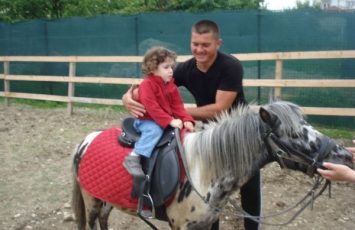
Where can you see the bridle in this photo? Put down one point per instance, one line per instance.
(280, 151)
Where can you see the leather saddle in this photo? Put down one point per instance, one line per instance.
(162, 169)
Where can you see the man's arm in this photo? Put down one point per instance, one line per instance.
(132, 106)
(224, 100)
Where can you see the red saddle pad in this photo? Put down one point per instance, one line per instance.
(101, 172)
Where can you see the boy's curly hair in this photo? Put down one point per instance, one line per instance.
(154, 56)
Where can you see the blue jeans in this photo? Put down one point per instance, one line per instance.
(151, 133)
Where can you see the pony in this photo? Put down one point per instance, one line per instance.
(220, 159)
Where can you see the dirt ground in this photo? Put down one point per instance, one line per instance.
(35, 182)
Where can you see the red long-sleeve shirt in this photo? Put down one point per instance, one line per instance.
(162, 101)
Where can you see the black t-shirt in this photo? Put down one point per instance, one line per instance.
(226, 74)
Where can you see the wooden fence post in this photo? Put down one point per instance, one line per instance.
(278, 76)
(71, 87)
(6, 82)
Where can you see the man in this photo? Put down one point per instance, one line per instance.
(215, 81)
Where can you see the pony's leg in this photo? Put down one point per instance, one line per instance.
(78, 205)
(93, 208)
(104, 214)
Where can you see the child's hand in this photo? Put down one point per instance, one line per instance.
(189, 126)
(176, 123)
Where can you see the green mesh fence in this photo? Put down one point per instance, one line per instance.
(246, 31)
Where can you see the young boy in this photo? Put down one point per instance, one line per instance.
(163, 104)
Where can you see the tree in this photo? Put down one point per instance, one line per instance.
(17, 10)
(307, 4)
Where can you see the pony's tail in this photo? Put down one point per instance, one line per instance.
(78, 205)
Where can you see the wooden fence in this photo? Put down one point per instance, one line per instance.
(278, 83)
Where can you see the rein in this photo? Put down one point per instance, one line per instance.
(184, 162)
(311, 195)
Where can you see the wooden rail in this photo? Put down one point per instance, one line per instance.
(278, 83)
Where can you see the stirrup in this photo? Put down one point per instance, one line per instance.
(148, 214)
(145, 194)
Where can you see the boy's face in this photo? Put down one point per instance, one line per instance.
(165, 70)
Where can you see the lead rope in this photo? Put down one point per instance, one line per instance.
(310, 194)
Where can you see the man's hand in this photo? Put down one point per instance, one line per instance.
(135, 108)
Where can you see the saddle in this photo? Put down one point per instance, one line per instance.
(162, 170)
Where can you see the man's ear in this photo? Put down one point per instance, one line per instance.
(269, 117)
(219, 43)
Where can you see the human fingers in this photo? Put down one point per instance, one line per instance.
(331, 172)
(337, 172)
(180, 124)
(132, 106)
(176, 123)
(137, 109)
(332, 166)
(189, 126)
(327, 165)
(324, 173)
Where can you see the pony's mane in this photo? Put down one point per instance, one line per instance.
(233, 141)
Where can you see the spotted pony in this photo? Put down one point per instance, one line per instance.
(223, 157)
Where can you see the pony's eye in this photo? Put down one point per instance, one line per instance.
(313, 146)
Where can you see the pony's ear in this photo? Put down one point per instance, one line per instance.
(269, 117)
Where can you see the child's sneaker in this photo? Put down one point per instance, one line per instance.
(133, 166)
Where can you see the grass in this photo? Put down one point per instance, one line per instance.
(39, 103)
(336, 133)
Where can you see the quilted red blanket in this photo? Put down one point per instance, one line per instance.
(101, 172)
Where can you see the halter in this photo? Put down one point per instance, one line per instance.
(281, 151)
